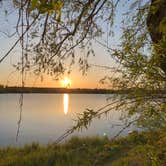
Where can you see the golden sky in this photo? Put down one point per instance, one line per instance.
(9, 77)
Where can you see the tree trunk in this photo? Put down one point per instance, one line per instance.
(156, 22)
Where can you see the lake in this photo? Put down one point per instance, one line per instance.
(47, 116)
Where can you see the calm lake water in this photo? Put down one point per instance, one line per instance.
(47, 116)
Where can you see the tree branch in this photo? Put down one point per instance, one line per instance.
(14, 45)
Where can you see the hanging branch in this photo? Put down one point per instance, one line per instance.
(14, 45)
(22, 70)
(86, 118)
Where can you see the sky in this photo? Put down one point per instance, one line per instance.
(9, 77)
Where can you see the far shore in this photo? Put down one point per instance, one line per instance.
(54, 90)
(47, 90)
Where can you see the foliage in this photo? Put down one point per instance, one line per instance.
(144, 73)
(146, 148)
(53, 38)
(55, 28)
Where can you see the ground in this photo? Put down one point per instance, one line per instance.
(137, 149)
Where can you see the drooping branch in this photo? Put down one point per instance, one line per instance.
(84, 119)
(19, 39)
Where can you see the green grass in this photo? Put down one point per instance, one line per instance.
(137, 149)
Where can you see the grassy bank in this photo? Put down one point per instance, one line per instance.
(143, 149)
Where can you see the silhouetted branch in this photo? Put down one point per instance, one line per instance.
(14, 45)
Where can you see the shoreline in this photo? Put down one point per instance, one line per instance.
(54, 90)
(43, 90)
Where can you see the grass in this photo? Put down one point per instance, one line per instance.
(137, 149)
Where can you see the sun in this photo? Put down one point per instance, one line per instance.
(66, 82)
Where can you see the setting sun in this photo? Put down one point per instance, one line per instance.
(66, 82)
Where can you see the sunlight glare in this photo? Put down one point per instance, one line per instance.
(66, 82)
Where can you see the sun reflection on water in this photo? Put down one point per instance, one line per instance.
(65, 103)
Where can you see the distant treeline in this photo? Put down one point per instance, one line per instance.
(53, 90)
(73, 91)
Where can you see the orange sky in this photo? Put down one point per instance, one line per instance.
(90, 80)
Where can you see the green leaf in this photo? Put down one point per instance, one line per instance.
(34, 4)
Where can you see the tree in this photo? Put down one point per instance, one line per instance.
(54, 28)
(157, 30)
